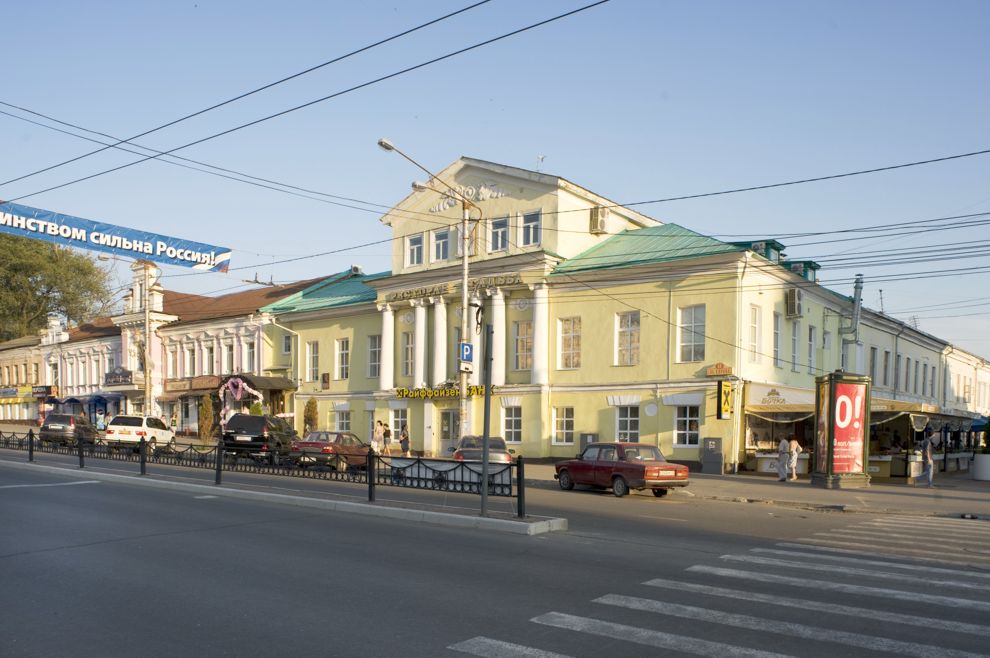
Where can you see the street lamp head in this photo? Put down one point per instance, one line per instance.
(420, 187)
(386, 145)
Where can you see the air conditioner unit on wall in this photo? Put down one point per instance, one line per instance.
(598, 216)
(792, 300)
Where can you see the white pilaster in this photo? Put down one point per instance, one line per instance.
(541, 335)
(439, 341)
(386, 372)
(419, 343)
(498, 337)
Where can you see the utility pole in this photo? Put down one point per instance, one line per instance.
(147, 338)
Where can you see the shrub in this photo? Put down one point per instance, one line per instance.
(206, 421)
(256, 409)
(310, 415)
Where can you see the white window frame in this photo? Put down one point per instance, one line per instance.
(688, 335)
(342, 368)
(441, 245)
(312, 361)
(414, 249)
(627, 423)
(795, 345)
(684, 436)
(228, 355)
(249, 358)
(777, 330)
(907, 374)
(522, 345)
(812, 349)
(569, 343)
(173, 367)
(190, 362)
(374, 355)
(874, 363)
(627, 338)
(287, 344)
(512, 424)
(498, 239)
(886, 367)
(398, 418)
(563, 426)
(209, 360)
(342, 420)
(755, 333)
(408, 353)
(532, 228)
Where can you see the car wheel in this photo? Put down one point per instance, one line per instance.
(660, 493)
(619, 486)
(565, 481)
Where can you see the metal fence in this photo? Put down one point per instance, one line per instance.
(504, 480)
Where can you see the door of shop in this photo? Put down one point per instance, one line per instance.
(450, 430)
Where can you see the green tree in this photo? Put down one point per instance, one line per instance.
(38, 278)
(206, 419)
(256, 409)
(310, 415)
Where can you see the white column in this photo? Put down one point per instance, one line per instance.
(477, 340)
(439, 341)
(498, 337)
(541, 335)
(386, 369)
(419, 343)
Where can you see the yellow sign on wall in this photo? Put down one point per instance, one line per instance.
(724, 400)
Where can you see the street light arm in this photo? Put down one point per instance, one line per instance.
(386, 145)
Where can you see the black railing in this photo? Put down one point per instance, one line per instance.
(504, 480)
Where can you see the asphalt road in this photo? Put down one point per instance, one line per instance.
(93, 568)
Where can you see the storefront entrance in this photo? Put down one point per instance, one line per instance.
(450, 430)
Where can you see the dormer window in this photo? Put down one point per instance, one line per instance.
(773, 255)
(531, 228)
(499, 234)
(414, 249)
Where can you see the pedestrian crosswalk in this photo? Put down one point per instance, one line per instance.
(907, 586)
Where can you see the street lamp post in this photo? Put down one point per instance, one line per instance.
(466, 206)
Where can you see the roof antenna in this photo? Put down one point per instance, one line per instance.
(539, 161)
(881, 300)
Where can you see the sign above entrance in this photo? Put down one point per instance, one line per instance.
(719, 370)
(438, 393)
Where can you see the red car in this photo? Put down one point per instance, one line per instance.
(337, 449)
(621, 467)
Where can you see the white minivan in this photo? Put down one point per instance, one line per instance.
(126, 430)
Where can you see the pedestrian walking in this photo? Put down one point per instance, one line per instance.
(795, 449)
(377, 437)
(783, 458)
(404, 441)
(928, 461)
(387, 441)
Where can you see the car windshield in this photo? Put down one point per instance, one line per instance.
(247, 424)
(58, 419)
(318, 436)
(643, 453)
(128, 421)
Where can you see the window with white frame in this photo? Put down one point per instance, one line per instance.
(499, 234)
(917, 370)
(343, 358)
(248, 365)
(287, 344)
(95, 365)
(563, 425)
(36, 370)
(907, 375)
(531, 228)
(933, 382)
(886, 367)
(513, 424)
(83, 371)
(691, 333)
(686, 426)
(627, 338)
(374, 355)
(172, 366)
(414, 249)
(343, 419)
(208, 362)
(312, 361)
(924, 379)
(627, 423)
(755, 332)
(874, 353)
(228, 355)
(522, 340)
(399, 418)
(777, 329)
(111, 361)
(70, 367)
(190, 362)
(441, 245)
(570, 343)
(795, 344)
(897, 371)
(812, 349)
(407, 353)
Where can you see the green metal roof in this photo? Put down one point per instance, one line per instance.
(340, 290)
(654, 244)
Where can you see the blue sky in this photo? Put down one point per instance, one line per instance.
(634, 100)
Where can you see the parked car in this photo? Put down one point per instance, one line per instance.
(621, 467)
(340, 449)
(469, 449)
(66, 429)
(260, 437)
(126, 430)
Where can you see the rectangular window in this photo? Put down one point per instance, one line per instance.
(627, 423)
(691, 333)
(35, 372)
(208, 362)
(531, 228)
(374, 355)
(248, 365)
(312, 361)
(812, 349)
(795, 341)
(777, 327)
(886, 367)
(287, 344)
(343, 358)
(407, 354)
(95, 365)
(513, 424)
(173, 358)
(755, 330)
(441, 245)
(415, 250)
(111, 361)
(522, 339)
(228, 365)
(570, 343)
(343, 421)
(400, 418)
(924, 380)
(686, 431)
(190, 362)
(897, 371)
(907, 375)
(82, 373)
(917, 366)
(563, 425)
(627, 339)
(499, 240)
(934, 392)
(874, 353)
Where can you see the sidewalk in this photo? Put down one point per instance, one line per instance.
(955, 494)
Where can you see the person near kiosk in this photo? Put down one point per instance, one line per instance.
(783, 459)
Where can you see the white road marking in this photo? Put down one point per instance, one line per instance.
(966, 573)
(960, 531)
(939, 521)
(882, 592)
(872, 548)
(648, 637)
(792, 629)
(868, 553)
(58, 484)
(204, 497)
(489, 648)
(852, 571)
(894, 538)
(833, 608)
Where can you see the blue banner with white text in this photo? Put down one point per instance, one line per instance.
(70, 231)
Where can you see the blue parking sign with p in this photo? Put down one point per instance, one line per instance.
(467, 352)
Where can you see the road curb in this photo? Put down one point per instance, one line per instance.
(536, 527)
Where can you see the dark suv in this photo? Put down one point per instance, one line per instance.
(258, 436)
(66, 429)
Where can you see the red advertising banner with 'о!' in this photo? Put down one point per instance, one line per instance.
(849, 426)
